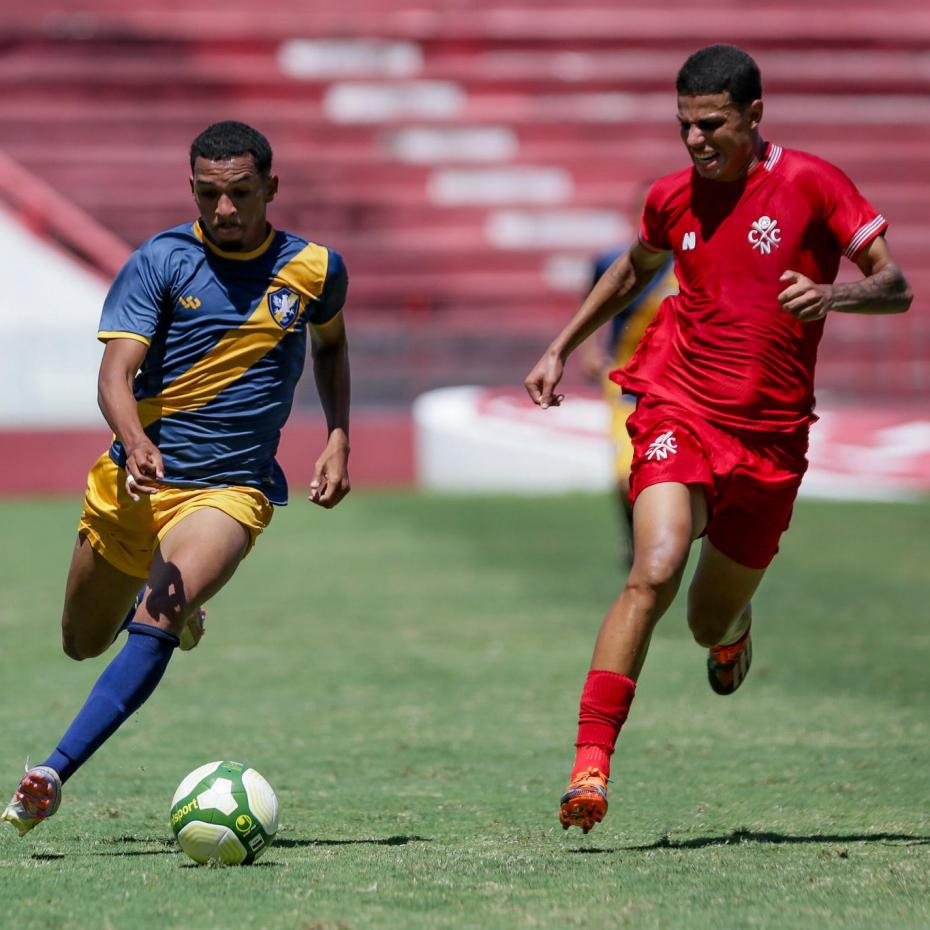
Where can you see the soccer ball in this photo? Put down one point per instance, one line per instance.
(224, 812)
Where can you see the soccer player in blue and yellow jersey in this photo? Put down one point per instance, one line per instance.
(598, 360)
(205, 332)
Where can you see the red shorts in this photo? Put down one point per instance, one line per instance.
(750, 482)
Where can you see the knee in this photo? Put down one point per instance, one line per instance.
(71, 649)
(656, 571)
(80, 649)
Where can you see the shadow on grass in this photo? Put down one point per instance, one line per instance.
(750, 836)
(164, 847)
(168, 848)
(288, 843)
(264, 864)
(47, 857)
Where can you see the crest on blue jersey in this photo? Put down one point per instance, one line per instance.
(284, 305)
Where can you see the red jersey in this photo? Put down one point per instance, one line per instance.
(723, 347)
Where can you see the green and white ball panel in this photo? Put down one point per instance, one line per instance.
(263, 802)
(209, 842)
(224, 812)
(191, 781)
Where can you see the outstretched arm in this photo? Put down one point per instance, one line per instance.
(330, 352)
(618, 287)
(122, 358)
(884, 289)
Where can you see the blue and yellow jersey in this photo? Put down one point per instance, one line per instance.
(626, 330)
(628, 326)
(227, 337)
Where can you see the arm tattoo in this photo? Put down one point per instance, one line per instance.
(886, 291)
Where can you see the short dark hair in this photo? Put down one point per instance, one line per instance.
(225, 140)
(717, 69)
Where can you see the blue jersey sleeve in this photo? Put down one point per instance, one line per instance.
(133, 305)
(333, 296)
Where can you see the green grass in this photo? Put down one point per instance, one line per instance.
(405, 671)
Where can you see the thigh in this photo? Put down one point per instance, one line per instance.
(721, 588)
(194, 559)
(97, 598)
(667, 518)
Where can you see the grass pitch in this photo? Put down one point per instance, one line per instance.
(405, 671)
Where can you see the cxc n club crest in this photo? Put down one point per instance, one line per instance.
(284, 306)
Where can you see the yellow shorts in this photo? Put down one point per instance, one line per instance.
(620, 409)
(127, 532)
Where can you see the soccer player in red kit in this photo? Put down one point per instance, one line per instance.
(723, 379)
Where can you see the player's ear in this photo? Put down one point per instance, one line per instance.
(271, 188)
(755, 113)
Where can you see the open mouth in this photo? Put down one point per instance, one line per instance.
(710, 160)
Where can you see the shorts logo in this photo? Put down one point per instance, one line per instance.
(284, 306)
(765, 235)
(660, 449)
(189, 303)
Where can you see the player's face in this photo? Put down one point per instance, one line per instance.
(720, 136)
(232, 197)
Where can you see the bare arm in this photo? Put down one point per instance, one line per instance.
(121, 360)
(884, 289)
(330, 352)
(617, 288)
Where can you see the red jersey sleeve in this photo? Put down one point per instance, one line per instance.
(653, 231)
(851, 219)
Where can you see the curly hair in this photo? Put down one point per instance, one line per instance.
(716, 69)
(227, 139)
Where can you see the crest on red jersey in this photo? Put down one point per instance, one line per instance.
(765, 235)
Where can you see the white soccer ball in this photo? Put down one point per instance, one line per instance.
(224, 812)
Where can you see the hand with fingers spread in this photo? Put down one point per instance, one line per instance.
(542, 381)
(330, 482)
(804, 299)
(144, 468)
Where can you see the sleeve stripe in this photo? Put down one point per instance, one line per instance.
(105, 336)
(863, 235)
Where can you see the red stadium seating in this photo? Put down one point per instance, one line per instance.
(101, 105)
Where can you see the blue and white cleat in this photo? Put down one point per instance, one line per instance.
(36, 799)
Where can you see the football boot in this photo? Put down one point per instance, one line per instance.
(585, 800)
(36, 799)
(728, 666)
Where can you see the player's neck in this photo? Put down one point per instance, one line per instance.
(758, 150)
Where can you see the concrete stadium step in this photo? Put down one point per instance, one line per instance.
(275, 70)
(771, 23)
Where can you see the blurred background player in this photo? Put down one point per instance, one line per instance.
(723, 379)
(600, 357)
(205, 329)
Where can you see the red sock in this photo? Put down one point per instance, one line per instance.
(605, 704)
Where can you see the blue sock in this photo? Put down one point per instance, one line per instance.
(125, 685)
